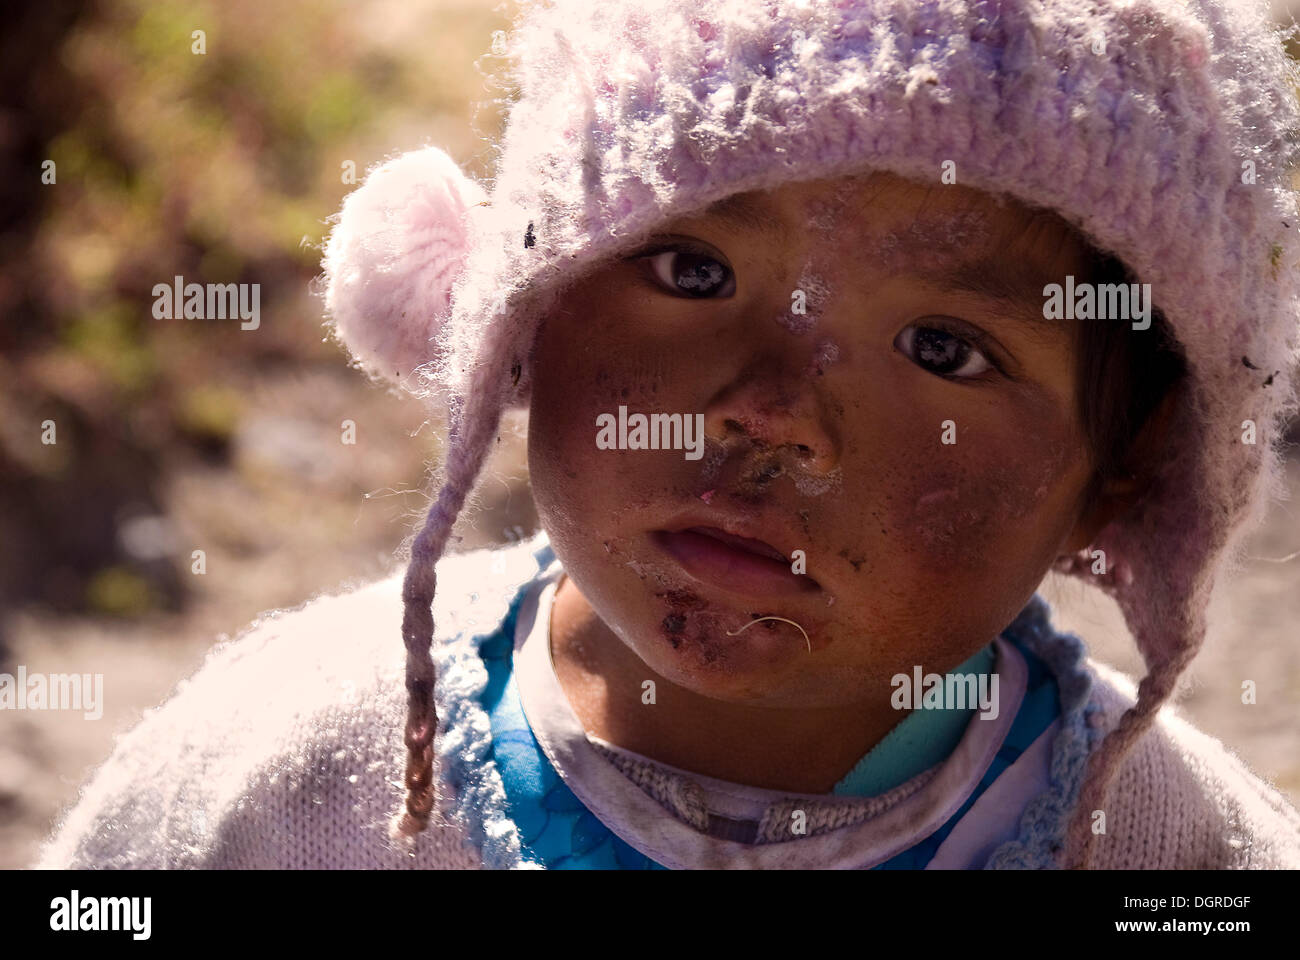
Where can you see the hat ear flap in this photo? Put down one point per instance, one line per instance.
(390, 262)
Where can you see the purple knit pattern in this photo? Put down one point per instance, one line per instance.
(1162, 129)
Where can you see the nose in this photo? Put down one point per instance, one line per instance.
(775, 416)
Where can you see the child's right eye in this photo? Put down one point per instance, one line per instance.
(687, 271)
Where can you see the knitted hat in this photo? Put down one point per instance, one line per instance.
(1161, 129)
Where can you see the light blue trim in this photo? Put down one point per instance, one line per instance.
(464, 743)
(1042, 826)
(922, 739)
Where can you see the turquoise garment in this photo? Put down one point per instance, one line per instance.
(555, 829)
(1041, 706)
(558, 832)
(924, 738)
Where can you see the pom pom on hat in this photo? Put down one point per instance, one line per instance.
(391, 260)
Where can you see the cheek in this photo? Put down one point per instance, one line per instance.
(579, 374)
(996, 500)
(734, 651)
(587, 495)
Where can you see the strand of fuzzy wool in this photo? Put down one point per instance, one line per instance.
(1102, 766)
(467, 452)
(782, 619)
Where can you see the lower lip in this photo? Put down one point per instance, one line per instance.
(713, 562)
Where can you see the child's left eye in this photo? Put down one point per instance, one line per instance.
(685, 272)
(941, 352)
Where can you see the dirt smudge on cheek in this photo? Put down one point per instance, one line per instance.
(959, 513)
(816, 484)
(952, 522)
(825, 355)
(681, 598)
(625, 554)
(680, 604)
(711, 639)
(685, 621)
(855, 562)
(710, 466)
(692, 627)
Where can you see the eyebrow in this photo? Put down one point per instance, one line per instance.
(746, 211)
(1011, 282)
(1012, 279)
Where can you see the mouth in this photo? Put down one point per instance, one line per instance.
(740, 565)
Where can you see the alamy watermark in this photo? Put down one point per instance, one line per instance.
(952, 691)
(56, 691)
(1098, 301)
(655, 431)
(75, 913)
(214, 301)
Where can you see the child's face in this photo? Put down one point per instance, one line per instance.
(825, 434)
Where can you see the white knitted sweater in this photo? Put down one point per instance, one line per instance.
(284, 751)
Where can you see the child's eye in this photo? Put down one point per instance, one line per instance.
(941, 352)
(686, 272)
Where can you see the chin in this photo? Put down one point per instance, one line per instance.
(698, 655)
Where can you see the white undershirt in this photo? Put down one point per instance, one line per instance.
(878, 827)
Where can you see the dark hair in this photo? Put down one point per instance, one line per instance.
(1122, 375)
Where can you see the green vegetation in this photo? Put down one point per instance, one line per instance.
(221, 167)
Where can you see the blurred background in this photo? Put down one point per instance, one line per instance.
(183, 435)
